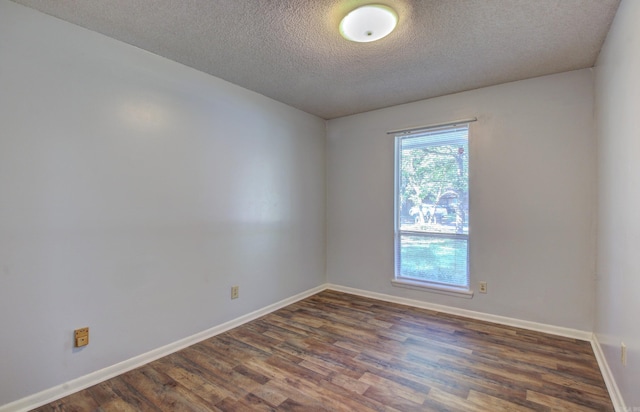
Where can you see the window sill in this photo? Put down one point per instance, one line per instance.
(430, 287)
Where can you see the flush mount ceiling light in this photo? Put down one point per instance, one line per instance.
(368, 23)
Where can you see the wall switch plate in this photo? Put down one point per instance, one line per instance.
(235, 292)
(81, 337)
(623, 354)
(483, 287)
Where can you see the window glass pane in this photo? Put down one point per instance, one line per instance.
(434, 184)
(432, 206)
(433, 259)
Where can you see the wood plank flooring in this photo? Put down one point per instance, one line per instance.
(340, 352)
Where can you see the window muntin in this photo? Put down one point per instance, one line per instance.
(432, 207)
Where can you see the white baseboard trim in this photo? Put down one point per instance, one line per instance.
(612, 387)
(503, 320)
(83, 382)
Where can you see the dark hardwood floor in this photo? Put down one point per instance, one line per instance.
(340, 352)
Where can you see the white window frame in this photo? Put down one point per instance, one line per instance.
(410, 283)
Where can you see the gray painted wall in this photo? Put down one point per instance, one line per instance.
(134, 192)
(532, 198)
(618, 287)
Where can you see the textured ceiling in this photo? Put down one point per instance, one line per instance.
(291, 51)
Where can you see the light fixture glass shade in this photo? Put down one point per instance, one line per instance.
(368, 23)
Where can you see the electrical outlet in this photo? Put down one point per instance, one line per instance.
(235, 292)
(623, 354)
(483, 287)
(81, 337)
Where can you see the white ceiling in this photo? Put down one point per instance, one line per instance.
(291, 50)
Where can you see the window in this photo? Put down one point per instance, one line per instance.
(432, 209)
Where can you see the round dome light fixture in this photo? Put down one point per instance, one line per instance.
(368, 23)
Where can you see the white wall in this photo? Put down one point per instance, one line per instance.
(532, 198)
(618, 287)
(134, 192)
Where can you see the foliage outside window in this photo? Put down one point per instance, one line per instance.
(432, 207)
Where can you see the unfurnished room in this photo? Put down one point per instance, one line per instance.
(319, 205)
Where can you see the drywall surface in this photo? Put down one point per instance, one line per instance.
(618, 276)
(532, 198)
(134, 192)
